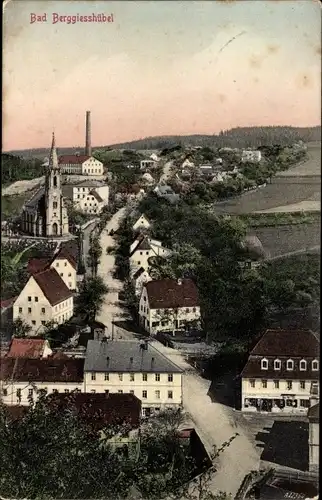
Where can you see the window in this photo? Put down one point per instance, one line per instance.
(29, 310)
(106, 376)
(187, 309)
(43, 322)
(5, 392)
(170, 394)
(55, 391)
(20, 309)
(141, 253)
(61, 274)
(305, 403)
(276, 384)
(144, 377)
(18, 393)
(132, 392)
(252, 383)
(157, 377)
(302, 365)
(139, 262)
(302, 384)
(157, 394)
(55, 205)
(120, 391)
(277, 364)
(315, 365)
(144, 394)
(289, 385)
(69, 275)
(194, 309)
(33, 322)
(65, 265)
(29, 299)
(43, 310)
(289, 365)
(264, 384)
(93, 376)
(57, 264)
(170, 377)
(36, 299)
(131, 377)
(121, 376)
(30, 393)
(264, 364)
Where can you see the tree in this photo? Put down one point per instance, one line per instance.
(94, 253)
(20, 328)
(91, 297)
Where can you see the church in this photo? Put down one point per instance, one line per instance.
(45, 214)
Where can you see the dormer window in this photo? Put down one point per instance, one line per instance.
(289, 365)
(302, 365)
(264, 364)
(277, 364)
(315, 365)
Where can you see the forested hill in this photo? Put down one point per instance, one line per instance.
(14, 168)
(236, 137)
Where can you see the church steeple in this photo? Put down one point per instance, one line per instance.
(53, 160)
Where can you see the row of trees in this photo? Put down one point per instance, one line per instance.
(15, 168)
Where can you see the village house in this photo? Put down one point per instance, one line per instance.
(143, 250)
(251, 156)
(168, 305)
(166, 192)
(154, 157)
(147, 179)
(147, 164)
(141, 223)
(23, 378)
(128, 193)
(93, 201)
(136, 368)
(139, 278)
(45, 297)
(29, 348)
(81, 190)
(279, 372)
(62, 262)
(78, 164)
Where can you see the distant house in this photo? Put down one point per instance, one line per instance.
(314, 437)
(141, 223)
(29, 348)
(168, 305)
(154, 157)
(147, 164)
(143, 250)
(91, 201)
(139, 278)
(166, 192)
(80, 165)
(147, 178)
(251, 156)
(134, 192)
(279, 372)
(187, 163)
(45, 297)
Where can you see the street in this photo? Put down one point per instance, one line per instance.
(166, 172)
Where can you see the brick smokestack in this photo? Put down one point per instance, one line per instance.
(88, 146)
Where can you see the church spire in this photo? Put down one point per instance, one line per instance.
(53, 160)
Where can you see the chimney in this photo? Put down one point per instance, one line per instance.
(88, 147)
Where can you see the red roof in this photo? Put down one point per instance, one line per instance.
(26, 348)
(42, 370)
(168, 293)
(36, 265)
(72, 159)
(64, 254)
(8, 302)
(52, 286)
(281, 342)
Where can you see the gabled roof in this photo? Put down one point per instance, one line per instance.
(52, 286)
(169, 293)
(253, 369)
(143, 244)
(42, 370)
(72, 159)
(26, 348)
(72, 248)
(294, 343)
(64, 254)
(35, 198)
(36, 265)
(125, 356)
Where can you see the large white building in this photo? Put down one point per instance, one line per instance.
(251, 156)
(80, 165)
(168, 305)
(45, 297)
(142, 249)
(280, 371)
(90, 197)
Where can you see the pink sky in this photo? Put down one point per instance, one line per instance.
(159, 69)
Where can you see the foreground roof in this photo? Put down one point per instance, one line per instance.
(52, 286)
(124, 356)
(26, 348)
(42, 370)
(290, 342)
(168, 293)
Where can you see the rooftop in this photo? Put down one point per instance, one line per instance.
(26, 348)
(314, 413)
(72, 159)
(168, 293)
(52, 286)
(36, 265)
(42, 370)
(123, 356)
(280, 342)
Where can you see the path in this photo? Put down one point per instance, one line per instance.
(166, 171)
(216, 423)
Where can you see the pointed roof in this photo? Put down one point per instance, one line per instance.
(53, 160)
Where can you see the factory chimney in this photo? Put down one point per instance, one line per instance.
(88, 147)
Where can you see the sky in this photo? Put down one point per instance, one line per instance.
(160, 68)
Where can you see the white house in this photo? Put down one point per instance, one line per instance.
(135, 368)
(139, 278)
(82, 189)
(23, 378)
(45, 297)
(147, 164)
(166, 192)
(147, 178)
(187, 163)
(141, 223)
(279, 372)
(146, 248)
(94, 201)
(251, 155)
(62, 262)
(80, 165)
(168, 305)
(154, 157)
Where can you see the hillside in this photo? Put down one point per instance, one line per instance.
(236, 137)
(14, 168)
